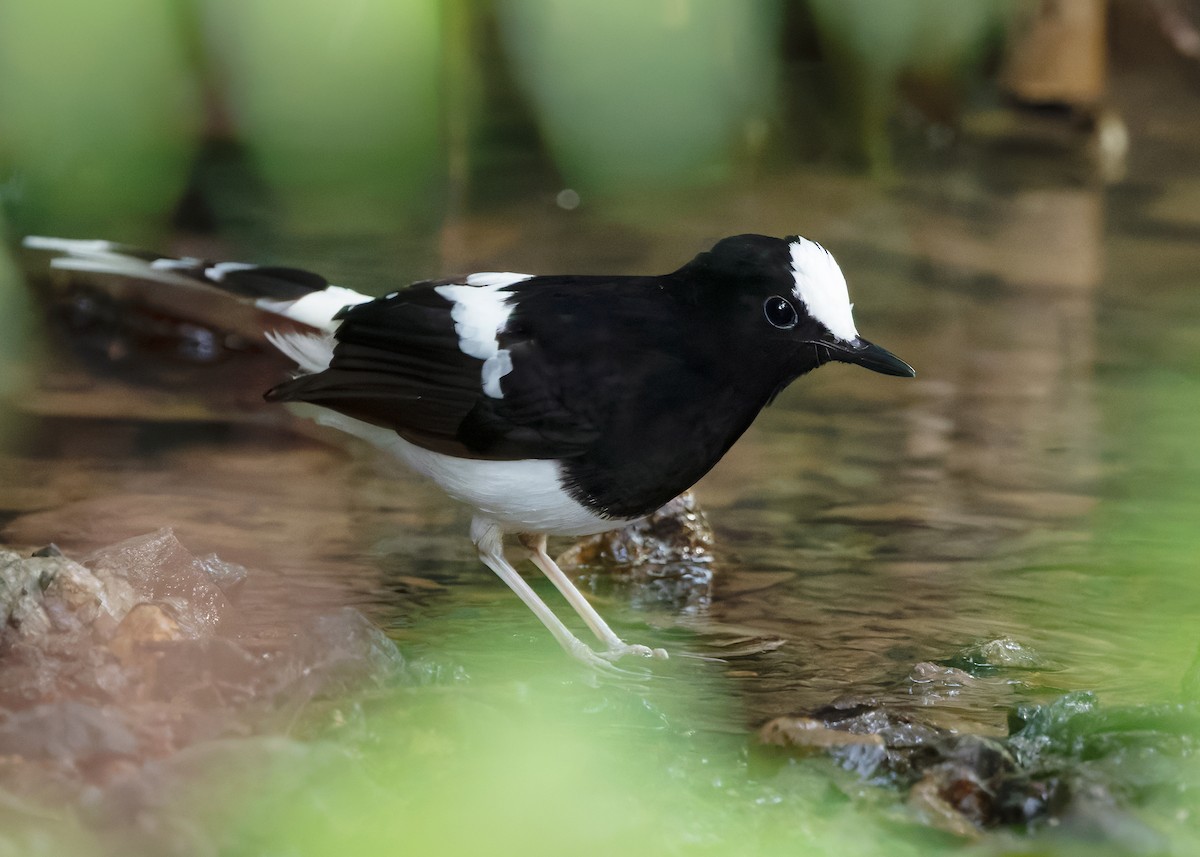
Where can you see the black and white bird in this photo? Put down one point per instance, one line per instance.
(551, 405)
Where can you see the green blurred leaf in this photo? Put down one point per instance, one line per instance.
(870, 45)
(339, 104)
(98, 116)
(15, 333)
(632, 91)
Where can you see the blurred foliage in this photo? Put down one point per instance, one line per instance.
(15, 336)
(519, 763)
(936, 48)
(1148, 541)
(528, 760)
(99, 116)
(633, 91)
(359, 117)
(338, 105)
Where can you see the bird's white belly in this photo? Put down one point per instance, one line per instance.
(521, 496)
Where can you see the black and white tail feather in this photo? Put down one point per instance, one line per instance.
(293, 293)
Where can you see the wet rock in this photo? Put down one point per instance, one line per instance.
(881, 744)
(142, 627)
(228, 576)
(21, 585)
(898, 729)
(932, 808)
(679, 532)
(861, 753)
(113, 669)
(69, 731)
(347, 649)
(961, 784)
(991, 656)
(75, 591)
(666, 558)
(1035, 730)
(211, 673)
(1070, 763)
(934, 682)
(961, 777)
(1077, 726)
(158, 568)
(813, 734)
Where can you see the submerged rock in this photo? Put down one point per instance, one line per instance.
(158, 569)
(21, 586)
(679, 532)
(989, 657)
(69, 732)
(814, 734)
(113, 667)
(1069, 763)
(665, 558)
(143, 626)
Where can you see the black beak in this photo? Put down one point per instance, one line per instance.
(869, 356)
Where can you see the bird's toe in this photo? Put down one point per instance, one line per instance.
(615, 652)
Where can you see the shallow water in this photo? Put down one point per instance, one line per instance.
(1037, 481)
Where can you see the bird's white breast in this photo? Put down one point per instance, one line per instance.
(524, 496)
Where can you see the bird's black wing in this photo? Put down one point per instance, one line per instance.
(397, 363)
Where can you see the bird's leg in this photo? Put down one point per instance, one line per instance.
(616, 647)
(489, 541)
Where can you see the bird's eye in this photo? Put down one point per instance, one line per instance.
(780, 312)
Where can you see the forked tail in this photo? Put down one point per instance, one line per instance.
(293, 293)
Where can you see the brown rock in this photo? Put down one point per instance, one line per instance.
(808, 732)
(144, 625)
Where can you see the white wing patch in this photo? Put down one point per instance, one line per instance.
(184, 264)
(822, 288)
(480, 311)
(311, 352)
(217, 272)
(316, 309)
(496, 278)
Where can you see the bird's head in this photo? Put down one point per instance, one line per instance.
(789, 295)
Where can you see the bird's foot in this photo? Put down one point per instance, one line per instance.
(620, 650)
(602, 662)
(598, 661)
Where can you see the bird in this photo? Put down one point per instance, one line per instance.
(550, 405)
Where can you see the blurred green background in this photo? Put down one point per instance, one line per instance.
(374, 116)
